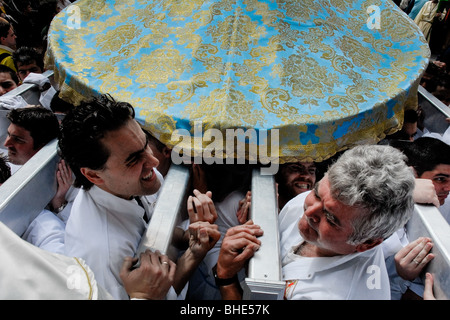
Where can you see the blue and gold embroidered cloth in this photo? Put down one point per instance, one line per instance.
(326, 74)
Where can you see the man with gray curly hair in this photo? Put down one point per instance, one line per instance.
(330, 236)
(377, 181)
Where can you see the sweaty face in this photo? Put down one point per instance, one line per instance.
(129, 170)
(19, 144)
(326, 222)
(441, 180)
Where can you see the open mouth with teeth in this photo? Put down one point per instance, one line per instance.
(302, 185)
(149, 176)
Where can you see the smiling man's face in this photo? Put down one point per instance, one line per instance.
(296, 178)
(129, 170)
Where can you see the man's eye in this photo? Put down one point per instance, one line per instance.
(134, 161)
(441, 179)
(131, 163)
(6, 85)
(330, 218)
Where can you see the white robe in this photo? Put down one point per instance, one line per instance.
(361, 275)
(30, 273)
(391, 246)
(103, 229)
(46, 231)
(424, 19)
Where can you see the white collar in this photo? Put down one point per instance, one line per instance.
(114, 203)
(6, 48)
(311, 265)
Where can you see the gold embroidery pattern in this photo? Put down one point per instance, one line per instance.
(307, 78)
(159, 66)
(87, 278)
(311, 69)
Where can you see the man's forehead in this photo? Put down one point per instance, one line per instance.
(26, 66)
(440, 169)
(18, 132)
(304, 164)
(6, 75)
(131, 131)
(16, 129)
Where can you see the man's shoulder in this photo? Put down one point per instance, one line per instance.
(5, 50)
(294, 204)
(6, 56)
(84, 212)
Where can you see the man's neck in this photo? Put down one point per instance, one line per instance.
(307, 249)
(2, 46)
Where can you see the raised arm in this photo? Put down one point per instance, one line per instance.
(203, 237)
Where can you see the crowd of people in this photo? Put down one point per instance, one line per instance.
(431, 16)
(339, 216)
(433, 19)
(24, 27)
(335, 220)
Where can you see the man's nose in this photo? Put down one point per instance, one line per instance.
(8, 142)
(447, 186)
(151, 159)
(314, 212)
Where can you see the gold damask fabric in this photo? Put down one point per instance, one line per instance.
(305, 79)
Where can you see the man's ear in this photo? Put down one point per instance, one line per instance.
(369, 244)
(167, 152)
(414, 172)
(92, 175)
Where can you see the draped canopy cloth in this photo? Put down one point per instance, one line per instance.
(327, 74)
